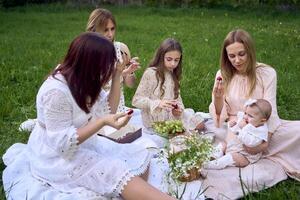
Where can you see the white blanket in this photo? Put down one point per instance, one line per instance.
(28, 187)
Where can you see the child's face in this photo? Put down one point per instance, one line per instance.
(253, 116)
(171, 59)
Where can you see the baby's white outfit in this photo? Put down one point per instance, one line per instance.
(249, 135)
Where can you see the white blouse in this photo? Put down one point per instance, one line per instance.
(97, 166)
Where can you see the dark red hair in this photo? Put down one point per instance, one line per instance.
(87, 66)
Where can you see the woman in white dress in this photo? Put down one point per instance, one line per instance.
(63, 150)
(103, 22)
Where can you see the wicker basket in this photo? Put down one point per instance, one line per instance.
(194, 174)
(172, 135)
(177, 145)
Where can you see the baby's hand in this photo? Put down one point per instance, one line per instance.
(232, 123)
(242, 123)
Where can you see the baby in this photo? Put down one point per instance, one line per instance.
(251, 130)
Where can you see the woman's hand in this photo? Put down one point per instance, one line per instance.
(131, 67)
(120, 67)
(218, 95)
(258, 149)
(218, 90)
(167, 104)
(117, 120)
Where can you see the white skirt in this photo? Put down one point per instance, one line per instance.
(19, 183)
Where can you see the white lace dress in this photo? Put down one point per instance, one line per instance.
(97, 168)
(148, 96)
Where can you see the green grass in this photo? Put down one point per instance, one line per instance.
(34, 39)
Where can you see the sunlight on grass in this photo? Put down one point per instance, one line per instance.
(34, 40)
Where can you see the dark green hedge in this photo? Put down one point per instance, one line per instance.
(172, 3)
(13, 3)
(233, 3)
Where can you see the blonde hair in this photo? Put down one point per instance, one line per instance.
(98, 19)
(124, 48)
(158, 64)
(227, 70)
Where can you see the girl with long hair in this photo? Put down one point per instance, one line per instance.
(158, 94)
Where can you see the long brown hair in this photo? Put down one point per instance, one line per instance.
(227, 69)
(88, 66)
(98, 19)
(157, 63)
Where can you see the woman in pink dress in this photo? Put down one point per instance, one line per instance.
(241, 77)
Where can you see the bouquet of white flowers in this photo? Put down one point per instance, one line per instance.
(186, 155)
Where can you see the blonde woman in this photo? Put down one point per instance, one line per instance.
(102, 21)
(241, 77)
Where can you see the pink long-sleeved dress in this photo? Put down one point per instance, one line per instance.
(282, 157)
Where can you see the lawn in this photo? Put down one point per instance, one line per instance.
(34, 39)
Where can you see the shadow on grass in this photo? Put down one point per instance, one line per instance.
(2, 193)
